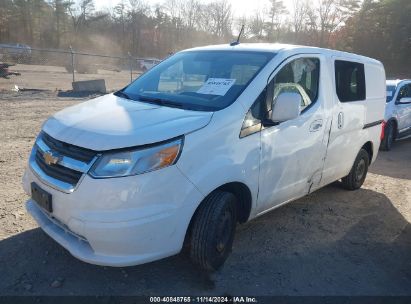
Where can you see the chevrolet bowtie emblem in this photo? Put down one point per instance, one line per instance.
(51, 158)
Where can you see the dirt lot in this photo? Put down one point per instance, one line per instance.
(332, 242)
(57, 78)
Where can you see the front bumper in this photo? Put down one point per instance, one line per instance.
(121, 221)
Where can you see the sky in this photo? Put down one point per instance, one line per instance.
(240, 7)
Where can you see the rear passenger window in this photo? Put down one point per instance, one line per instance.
(350, 81)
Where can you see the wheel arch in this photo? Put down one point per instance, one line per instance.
(394, 120)
(244, 198)
(244, 203)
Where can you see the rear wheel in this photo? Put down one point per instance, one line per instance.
(213, 230)
(358, 173)
(389, 135)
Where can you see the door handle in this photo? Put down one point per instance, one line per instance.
(340, 120)
(316, 125)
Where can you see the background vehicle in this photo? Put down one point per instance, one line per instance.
(208, 138)
(397, 119)
(16, 52)
(148, 63)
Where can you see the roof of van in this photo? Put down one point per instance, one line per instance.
(278, 47)
(395, 82)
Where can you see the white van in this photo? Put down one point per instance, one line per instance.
(128, 178)
(397, 119)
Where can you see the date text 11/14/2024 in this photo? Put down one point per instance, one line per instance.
(203, 299)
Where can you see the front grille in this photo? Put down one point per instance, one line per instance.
(72, 163)
(57, 171)
(82, 154)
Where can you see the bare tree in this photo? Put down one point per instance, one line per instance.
(25, 11)
(120, 13)
(298, 18)
(332, 14)
(190, 12)
(311, 27)
(328, 16)
(144, 29)
(61, 8)
(220, 17)
(6, 9)
(175, 9)
(256, 25)
(80, 14)
(277, 10)
(244, 20)
(137, 14)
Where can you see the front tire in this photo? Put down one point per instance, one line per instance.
(389, 135)
(358, 173)
(213, 229)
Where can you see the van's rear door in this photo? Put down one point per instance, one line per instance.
(359, 99)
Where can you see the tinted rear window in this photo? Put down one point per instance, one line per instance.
(350, 81)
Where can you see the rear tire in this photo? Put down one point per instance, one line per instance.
(358, 173)
(389, 135)
(213, 229)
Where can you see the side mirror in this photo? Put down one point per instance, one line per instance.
(405, 100)
(286, 106)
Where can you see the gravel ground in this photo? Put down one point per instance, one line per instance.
(332, 242)
(57, 78)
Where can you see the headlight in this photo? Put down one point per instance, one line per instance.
(132, 162)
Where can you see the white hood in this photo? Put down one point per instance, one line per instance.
(110, 122)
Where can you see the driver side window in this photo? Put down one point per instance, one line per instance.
(299, 76)
(405, 91)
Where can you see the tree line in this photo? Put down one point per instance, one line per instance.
(376, 28)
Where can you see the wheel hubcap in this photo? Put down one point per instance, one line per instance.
(224, 232)
(360, 170)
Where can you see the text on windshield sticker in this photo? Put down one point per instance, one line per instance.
(216, 86)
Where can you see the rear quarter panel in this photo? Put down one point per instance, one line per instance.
(376, 92)
(375, 103)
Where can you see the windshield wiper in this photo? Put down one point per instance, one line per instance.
(163, 102)
(123, 94)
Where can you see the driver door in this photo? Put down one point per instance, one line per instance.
(293, 152)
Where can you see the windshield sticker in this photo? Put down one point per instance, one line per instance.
(216, 86)
(389, 93)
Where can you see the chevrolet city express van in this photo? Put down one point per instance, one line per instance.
(209, 138)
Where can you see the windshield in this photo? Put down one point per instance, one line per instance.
(198, 80)
(390, 92)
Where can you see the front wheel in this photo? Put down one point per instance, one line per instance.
(213, 230)
(358, 173)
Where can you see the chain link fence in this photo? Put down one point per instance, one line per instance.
(56, 69)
